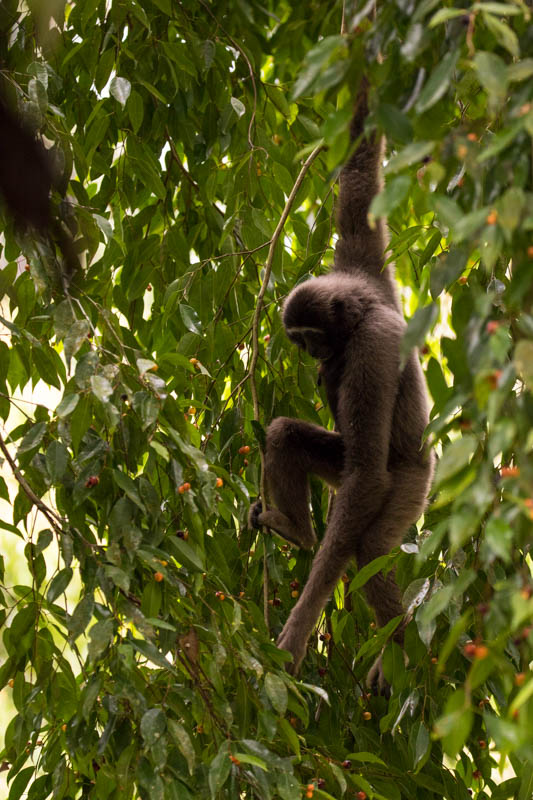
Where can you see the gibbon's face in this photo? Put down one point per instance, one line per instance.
(313, 340)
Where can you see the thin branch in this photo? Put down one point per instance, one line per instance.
(255, 341)
(53, 518)
(179, 162)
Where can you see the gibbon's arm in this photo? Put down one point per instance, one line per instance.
(361, 248)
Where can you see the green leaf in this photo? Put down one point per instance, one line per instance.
(56, 460)
(417, 328)
(277, 692)
(438, 82)
(20, 782)
(190, 319)
(120, 89)
(492, 74)
(32, 439)
(153, 725)
(67, 405)
(455, 457)
(219, 769)
(81, 616)
(101, 388)
(59, 584)
(455, 725)
(76, 336)
(413, 153)
(183, 741)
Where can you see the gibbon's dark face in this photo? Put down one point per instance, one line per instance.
(313, 340)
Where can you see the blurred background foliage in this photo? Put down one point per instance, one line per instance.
(137, 616)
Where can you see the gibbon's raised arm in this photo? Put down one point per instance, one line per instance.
(350, 320)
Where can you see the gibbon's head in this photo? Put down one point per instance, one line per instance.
(321, 314)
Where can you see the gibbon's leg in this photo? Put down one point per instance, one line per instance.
(406, 502)
(366, 403)
(294, 449)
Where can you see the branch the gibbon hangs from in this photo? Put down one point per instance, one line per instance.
(351, 321)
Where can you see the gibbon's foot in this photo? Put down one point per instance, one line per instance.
(280, 524)
(253, 515)
(376, 681)
(291, 639)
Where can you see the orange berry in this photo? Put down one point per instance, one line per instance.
(530, 251)
(163, 563)
(241, 594)
(492, 218)
(185, 487)
(310, 787)
(346, 763)
(462, 280)
(293, 721)
(194, 361)
(434, 660)
(277, 138)
(27, 267)
(11, 683)
(158, 576)
(472, 137)
(295, 593)
(361, 795)
(469, 649)
(462, 151)
(325, 637)
(191, 410)
(520, 678)
(200, 728)
(482, 744)
(367, 715)
(308, 794)
(234, 760)
(219, 483)
(492, 326)
(221, 595)
(481, 651)
(516, 713)
(525, 593)
(525, 109)
(494, 378)
(244, 450)
(64, 726)
(509, 472)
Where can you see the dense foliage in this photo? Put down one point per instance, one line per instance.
(138, 639)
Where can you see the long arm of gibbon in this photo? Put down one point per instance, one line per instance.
(361, 247)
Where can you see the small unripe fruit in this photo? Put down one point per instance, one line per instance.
(492, 218)
(295, 593)
(530, 251)
(346, 764)
(476, 774)
(367, 715)
(293, 721)
(434, 660)
(241, 345)
(92, 480)
(185, 487)
(462, 280)
(345, 578)
(11, 683)
(525, 592)
(244, 450)
(462, 151)
(182, 535)
(64, 727)
(27, 267)
(492, 326)
(149, 287)
(481, 651)
(219, 483)
(325, 637)
(494, 378)
(163, 563)
(472, 137)
(482, 744)
(241, 594)
(361, 795)
(234, 760)
(200, 728)
(520, 678)
(194, 362)
(158, 576)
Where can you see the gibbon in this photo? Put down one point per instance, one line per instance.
(351, 321)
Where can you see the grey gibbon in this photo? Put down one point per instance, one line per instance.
(351, 321)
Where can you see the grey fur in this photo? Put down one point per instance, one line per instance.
(352, 322)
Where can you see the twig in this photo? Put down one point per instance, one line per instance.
(255, 341)
(178, 160)
(53, 518)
